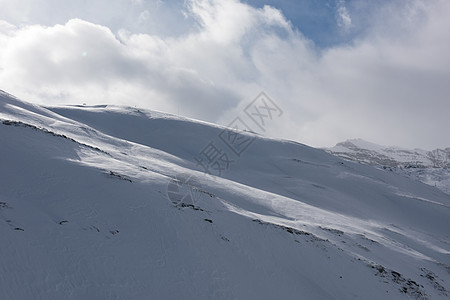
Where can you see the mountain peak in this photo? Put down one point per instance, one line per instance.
(359, 143)
(431, 167)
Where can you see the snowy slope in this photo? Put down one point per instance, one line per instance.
(88, 210)
(430, 167)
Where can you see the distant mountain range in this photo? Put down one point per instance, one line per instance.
(430, 167)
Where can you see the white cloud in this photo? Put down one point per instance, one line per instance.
(342, 16)
(143, 16)
(390, 87)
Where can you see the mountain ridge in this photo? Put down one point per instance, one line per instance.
(431, 167)
(93, 205)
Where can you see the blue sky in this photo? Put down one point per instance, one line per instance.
(340, 69)
(317, 20)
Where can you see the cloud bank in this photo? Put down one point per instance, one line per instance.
(391, 86)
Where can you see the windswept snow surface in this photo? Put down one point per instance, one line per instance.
(85, 214)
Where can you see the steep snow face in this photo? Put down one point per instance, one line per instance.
(109, 202)
(430, 167)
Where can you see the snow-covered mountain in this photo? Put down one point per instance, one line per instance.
(430, 167)
(112, 202)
